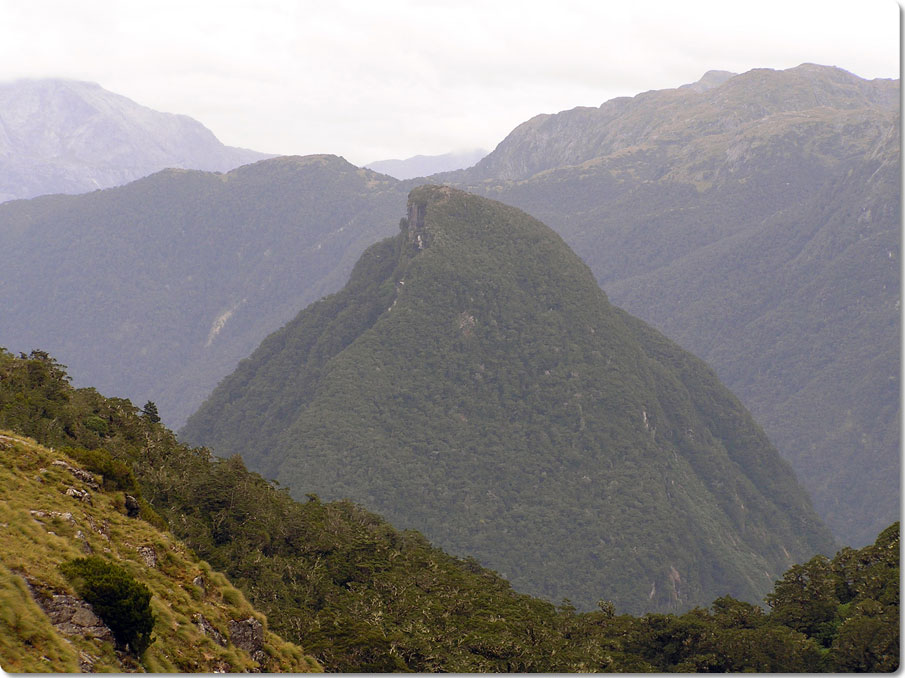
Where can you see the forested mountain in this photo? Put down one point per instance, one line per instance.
(755, 220)
(359, 594)
(66, 136)
(472, 382)
(156, 289)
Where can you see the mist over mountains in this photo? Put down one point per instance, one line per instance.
(65, 136)
(425, 165)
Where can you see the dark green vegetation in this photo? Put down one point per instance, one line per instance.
(122, 602)
(155, 290)
(473, 382)
(756, 221)
(365, 597)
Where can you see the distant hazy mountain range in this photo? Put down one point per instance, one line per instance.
(159, 287)
(426, 165)
(64, 136)
(752, 218)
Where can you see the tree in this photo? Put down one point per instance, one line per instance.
(805, 599)
(150, 412)
(115, 596)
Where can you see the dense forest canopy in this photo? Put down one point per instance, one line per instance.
(754, 219)
(473, 382)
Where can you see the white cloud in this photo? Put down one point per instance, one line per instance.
(394, 78)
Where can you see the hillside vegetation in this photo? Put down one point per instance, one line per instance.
(473, 382)
(752, 218)
(156, 289)
(55, 512)
(363, 596)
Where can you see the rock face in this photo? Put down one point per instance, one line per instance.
(149, 555)
(248, 635)
(83, 475)
(133, 508)
(70, 615)
(208, 629)
(62, 136)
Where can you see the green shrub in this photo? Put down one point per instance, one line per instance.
(117, 475)
(96, 424)
(149, 515)
(115, 596)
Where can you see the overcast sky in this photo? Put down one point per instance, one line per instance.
(378, 79)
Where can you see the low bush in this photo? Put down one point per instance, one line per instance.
(115, 596)
(117, 475)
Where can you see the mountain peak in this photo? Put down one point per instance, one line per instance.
(655, 121)
(473, 382)
(70, 136)
(709, 80)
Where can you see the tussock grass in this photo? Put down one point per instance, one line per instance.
(43, 527)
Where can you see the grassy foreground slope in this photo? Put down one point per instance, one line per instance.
(54, 511)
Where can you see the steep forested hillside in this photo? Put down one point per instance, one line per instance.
(156, 289)
(473, 382)
(65, 136)
(755, 220)
(366, 597)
